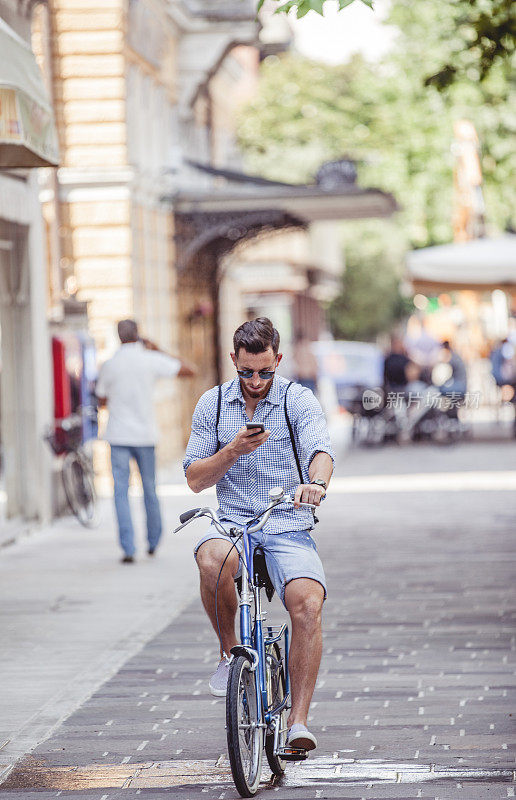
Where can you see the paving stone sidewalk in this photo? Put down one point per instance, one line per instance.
(416, 693)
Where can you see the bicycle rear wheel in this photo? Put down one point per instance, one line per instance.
(275, 695)
(244, 734)
(80, 490)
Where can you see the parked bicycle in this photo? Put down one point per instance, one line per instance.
(430, 417)
(77, 469)
(258, 693)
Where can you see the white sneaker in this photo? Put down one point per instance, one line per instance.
(300, 737)
(219, 680)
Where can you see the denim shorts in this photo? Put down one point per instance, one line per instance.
(289, 555)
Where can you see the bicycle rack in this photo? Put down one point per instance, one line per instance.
(274, 633)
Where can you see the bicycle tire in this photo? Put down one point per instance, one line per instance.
(244, 737)
(79, 490)
(276, 688)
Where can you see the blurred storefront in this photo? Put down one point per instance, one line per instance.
(27, 140)
(287, 276)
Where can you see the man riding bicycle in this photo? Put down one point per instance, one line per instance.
(244, 465)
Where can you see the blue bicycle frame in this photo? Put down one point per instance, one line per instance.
(253, 638)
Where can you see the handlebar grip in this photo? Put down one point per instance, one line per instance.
(188, 515)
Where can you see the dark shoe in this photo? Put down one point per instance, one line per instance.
(151, 551)
(127, 560)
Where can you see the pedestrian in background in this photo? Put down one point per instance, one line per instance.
(457, 383)
(503, 368)
(423, 349)
(126, 385)
(395, 367)
(503, 363)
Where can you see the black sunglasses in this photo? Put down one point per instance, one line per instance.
(265, 374)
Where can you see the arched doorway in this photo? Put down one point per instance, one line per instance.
(203, 240)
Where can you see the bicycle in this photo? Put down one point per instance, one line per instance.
(77, 471)
(258, 692)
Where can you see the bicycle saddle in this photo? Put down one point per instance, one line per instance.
(261, 575)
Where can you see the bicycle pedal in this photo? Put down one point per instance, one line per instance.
(292, 754)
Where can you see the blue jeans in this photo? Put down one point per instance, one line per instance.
(146, 460)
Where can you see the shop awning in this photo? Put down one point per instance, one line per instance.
(241, 206)
(334, 196)
(28, 136)
(482, 264)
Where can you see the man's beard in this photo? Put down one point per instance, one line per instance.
(256, 393)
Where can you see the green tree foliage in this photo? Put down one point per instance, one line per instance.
(485, 35)
(306, 113)
(484, 30)
(370, 302)
(304, 6)
(399, 131)
(393, 122)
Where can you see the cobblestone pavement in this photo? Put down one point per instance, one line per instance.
(416, 691)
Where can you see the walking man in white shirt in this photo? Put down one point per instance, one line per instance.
(126, 384)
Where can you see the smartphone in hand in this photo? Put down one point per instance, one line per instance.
(256, 427)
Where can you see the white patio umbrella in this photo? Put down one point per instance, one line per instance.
(478, 264)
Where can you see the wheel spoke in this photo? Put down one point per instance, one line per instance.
(275, 695)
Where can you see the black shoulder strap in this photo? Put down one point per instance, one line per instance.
(291, 432)
(218, 417)
(294, 448)
(218, 407)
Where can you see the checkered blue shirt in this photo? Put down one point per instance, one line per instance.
(243, 491)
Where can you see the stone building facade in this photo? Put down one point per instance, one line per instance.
(129, 85)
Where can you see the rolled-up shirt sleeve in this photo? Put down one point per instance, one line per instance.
(311, 428)
(164, 366)
(203, 437)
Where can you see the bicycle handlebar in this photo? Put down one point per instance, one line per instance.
(187, 515)
(277, 495)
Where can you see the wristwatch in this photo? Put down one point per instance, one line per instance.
(319, 482)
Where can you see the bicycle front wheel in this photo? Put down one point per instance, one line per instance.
(80, 490)
(244, 732)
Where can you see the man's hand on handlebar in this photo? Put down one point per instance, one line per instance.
(247, 442)
(276, 496)
(309, 493)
